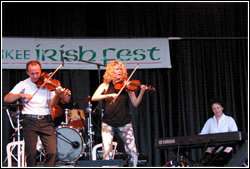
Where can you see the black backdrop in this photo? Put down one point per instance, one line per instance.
(211, 60)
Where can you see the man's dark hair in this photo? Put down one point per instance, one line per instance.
(33, 62)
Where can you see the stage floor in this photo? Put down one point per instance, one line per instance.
(89, 163)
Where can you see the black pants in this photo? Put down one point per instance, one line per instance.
(31, 129)
(216, 159)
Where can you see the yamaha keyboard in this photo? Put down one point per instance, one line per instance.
(229, 138)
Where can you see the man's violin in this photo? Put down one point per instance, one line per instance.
(51, 84)
(132, 85)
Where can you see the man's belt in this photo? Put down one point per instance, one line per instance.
(41, 117)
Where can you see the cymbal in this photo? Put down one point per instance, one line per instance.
(15, 104)
(87, 99)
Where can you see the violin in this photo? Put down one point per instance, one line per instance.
(132, 85)
(51, 84)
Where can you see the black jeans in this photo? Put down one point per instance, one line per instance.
(45, 129)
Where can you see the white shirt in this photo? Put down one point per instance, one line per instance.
(38, 105)
(225, 124)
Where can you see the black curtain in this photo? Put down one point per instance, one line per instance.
(211, 60)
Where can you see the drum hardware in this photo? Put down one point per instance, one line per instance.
(18, 135)
(66, 117)
(18, 107)
(90, 132)
(40, 149)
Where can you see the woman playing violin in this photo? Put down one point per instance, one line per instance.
(37, 118)
(117, 116)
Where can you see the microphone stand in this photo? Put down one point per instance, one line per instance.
(99, 75)
(89, 108)
(18, 136)
(99, 80)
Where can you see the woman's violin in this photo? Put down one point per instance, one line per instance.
(132, 85)
(51, 84)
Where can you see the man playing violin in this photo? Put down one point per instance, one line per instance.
(117, 116)
(36, 111)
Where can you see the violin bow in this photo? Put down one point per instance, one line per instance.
(125, 83)
(46, 81)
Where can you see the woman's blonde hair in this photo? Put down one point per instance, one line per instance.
(109, 73)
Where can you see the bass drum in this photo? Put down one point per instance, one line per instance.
(70, 144)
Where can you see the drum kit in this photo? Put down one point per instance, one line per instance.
(71, 144)
(73, 141)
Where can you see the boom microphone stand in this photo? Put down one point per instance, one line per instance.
(99, 80)
(89, 108)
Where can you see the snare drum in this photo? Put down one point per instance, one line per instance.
(70, 144)
(76, 118)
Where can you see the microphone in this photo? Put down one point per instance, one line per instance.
(75, 144)
(75, 58)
